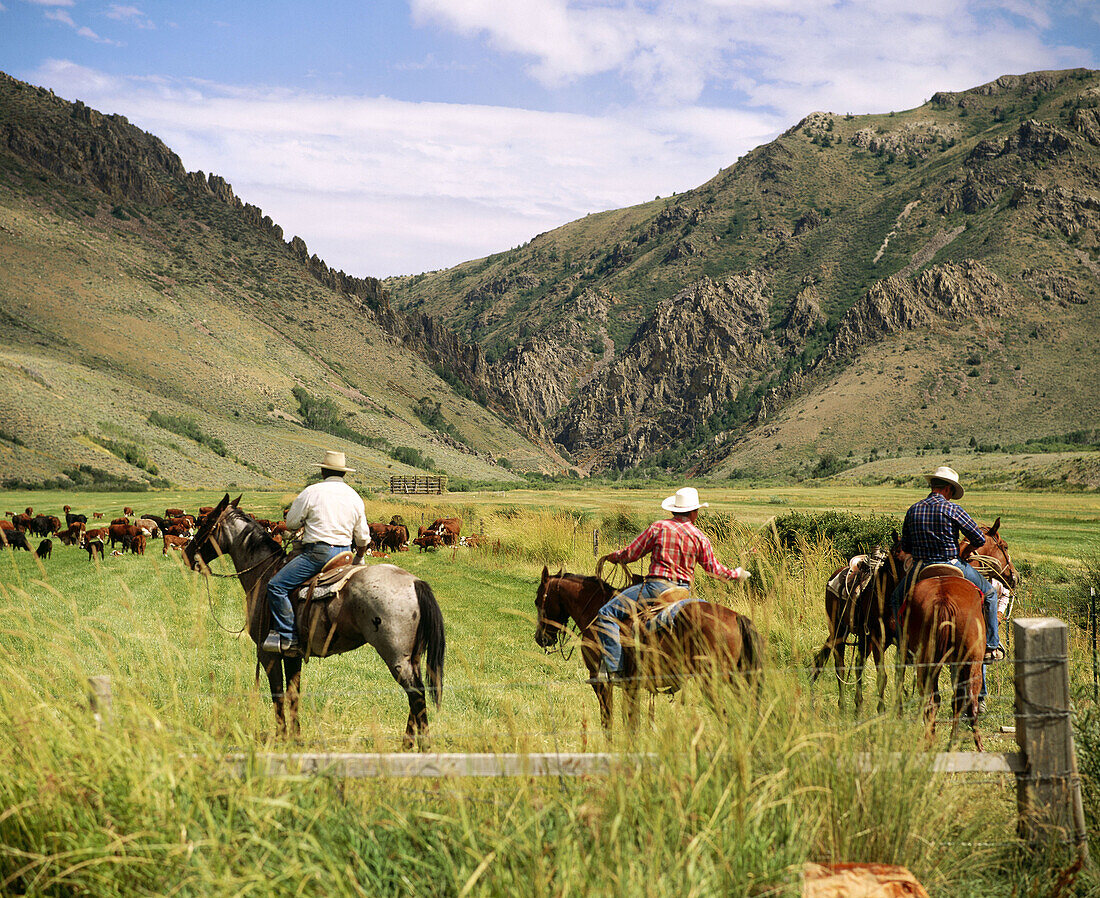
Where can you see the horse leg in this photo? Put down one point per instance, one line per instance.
(967, 689)
(408, 678)
(274, 669)
(630, 707)
(293, 670)
(841, 673)
(860, 666)
(878, 652)
(605, 697)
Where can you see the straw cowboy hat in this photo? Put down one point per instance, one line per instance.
(947, 475)
(335, 461)
(686, 499)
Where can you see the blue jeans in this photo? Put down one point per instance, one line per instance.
(618, 610)
(292, 575)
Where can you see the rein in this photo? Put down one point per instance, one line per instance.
(558, 645)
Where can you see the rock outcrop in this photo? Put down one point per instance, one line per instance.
(686, 362)
(952, 292)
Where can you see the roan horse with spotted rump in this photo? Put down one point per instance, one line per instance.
(382, 606)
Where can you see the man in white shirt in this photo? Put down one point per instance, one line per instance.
(332, 518)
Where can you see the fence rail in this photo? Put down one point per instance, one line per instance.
(1048, 783)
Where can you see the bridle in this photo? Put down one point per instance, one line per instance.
(218, 524)
(206, 572)
(561, 628)
(991, 565)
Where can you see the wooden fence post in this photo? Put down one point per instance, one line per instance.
(1048, 794)
(99, 699)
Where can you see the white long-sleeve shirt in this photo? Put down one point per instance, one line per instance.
(331, 512)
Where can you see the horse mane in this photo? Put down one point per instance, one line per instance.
(255, 536)
(587, 580)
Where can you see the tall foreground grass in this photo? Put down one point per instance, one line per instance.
(711, 804)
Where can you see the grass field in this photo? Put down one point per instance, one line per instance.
(734, 807)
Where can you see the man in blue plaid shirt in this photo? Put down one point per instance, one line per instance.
(931, 535)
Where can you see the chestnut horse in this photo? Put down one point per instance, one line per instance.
(703, 639)
(381, 606)
(992, 560)
(943, 625)
(856, 598)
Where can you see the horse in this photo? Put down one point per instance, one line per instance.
(993, 561)
(856, 597)
(943, 625)
(382, 606)
(703, 640)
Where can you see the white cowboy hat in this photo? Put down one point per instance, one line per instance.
(686, 499)
(335, 461)
(947, 475)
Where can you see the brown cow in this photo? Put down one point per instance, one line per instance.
(450, 529)
(93, 547)
(121, 521)
(122, 533)
(174, 512)
(22, 521)
(428, 540)
(173, 542)
(74, 535)
(127, 510)
(96, 515)
(137, 543)
(99, 533)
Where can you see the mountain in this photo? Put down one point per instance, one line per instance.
(860, 286)
(156, 329)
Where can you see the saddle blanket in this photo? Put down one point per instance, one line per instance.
(327, 584)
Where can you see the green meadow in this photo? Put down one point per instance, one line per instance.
(729, 804)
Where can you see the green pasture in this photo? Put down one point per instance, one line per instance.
(732, 804)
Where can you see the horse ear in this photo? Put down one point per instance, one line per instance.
(545, 574)
(996, 524)
(897, 539)
(236, 501)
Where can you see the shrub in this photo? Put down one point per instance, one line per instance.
(850, 534)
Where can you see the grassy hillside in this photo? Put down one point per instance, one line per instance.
(1007, 174)
(171, 298)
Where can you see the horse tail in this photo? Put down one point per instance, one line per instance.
(430, 638)
(752, 645)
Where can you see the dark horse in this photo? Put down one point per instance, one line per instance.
(381, 605)
(856, 598)
(703, 641)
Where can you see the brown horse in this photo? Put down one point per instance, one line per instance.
(856, 598)
(704, 640)
(992, 560)
(381, 606)
(943, 626)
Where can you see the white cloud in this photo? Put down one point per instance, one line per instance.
(131, 15)
(790, 55)
(50, 2)
(59, 15)
(379, 186)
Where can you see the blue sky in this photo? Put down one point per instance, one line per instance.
(397, 137)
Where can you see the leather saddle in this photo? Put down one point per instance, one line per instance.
(654, 613)
(329, 581)
(938, 570)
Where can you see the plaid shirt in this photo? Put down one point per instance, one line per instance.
(932, 526)
(676, 545)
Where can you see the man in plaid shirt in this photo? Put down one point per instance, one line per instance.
(674, 547)
(931, 535)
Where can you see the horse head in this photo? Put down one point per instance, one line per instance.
(552, 611)
(993, 557)
(203, 547)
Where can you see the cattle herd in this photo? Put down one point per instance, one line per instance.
(131, 532)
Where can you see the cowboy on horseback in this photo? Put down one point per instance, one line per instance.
(930, 534)
(674, 547)
(333, 516)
